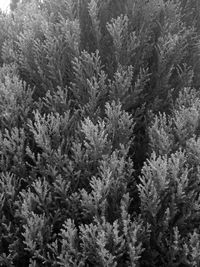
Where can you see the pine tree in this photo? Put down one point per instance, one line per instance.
(13, 4)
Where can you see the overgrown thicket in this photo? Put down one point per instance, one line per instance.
(100, 133)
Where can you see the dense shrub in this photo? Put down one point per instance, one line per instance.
(99, 133)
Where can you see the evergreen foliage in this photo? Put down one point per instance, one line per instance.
(99, 133)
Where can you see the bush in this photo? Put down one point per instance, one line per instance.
(99, 134)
